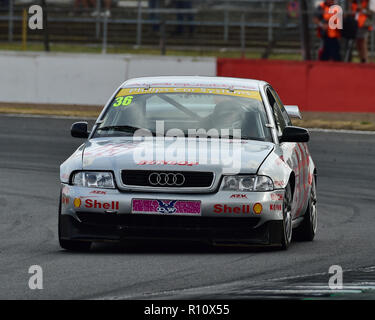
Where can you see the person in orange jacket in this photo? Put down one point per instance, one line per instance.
(330, 49)
(360, 10)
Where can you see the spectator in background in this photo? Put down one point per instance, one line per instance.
(362, 14)
(87, 4)
(293, 8)
(4, 3)
(78, 6)
(330, 49)
(349, 34)
(107, 8)
(154, 4)
(181, 17)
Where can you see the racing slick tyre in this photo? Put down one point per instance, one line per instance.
(287, 228)
(71, 245)
(307, 229)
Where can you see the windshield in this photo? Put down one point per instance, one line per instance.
(190, 110)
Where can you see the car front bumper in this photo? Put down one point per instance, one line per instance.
(113, 220)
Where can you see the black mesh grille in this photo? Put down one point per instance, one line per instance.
(192, 179)
(160, 222)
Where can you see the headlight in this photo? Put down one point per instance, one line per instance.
(247, 183)
(94, 179)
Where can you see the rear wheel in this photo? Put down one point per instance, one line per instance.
(70, 245)
(287, 228)
(307, 229)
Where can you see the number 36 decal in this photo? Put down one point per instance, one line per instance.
(123, 101)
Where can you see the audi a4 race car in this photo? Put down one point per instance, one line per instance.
(192, 158)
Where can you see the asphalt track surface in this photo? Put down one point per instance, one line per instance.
(31, 152)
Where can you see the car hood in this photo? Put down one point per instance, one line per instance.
(216, 155)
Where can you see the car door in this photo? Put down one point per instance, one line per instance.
(294, 154)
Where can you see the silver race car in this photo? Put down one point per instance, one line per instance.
(191, 158)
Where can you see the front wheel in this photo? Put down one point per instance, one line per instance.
(70, 245)
(307, 229)
(287, 228)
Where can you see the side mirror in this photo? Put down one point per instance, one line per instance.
(79, 130)
(293, 112)
(295, 134)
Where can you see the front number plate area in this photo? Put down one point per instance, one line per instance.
(166, 207)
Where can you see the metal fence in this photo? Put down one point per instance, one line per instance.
(245, 25)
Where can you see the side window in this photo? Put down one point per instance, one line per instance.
(280, 122)
(283, 111)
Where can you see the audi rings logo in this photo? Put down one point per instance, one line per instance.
(166, 179)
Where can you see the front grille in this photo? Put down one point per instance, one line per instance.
(192, 179)
(165, 222)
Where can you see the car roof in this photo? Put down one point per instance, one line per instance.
(194, 81)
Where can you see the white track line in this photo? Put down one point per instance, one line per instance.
(354, 287)
(341, 131)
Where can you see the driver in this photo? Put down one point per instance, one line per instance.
(227, 114)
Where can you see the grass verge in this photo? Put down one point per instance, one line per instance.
(171, 51)
(51, 110)
(324, 120)
(122, 49)
(336, 120)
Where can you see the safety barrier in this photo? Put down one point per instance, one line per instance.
(314, 86)
(90, 79)
(86, 79)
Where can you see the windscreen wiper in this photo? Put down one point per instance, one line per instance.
(252, 138)
(128, 129)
